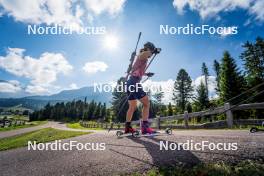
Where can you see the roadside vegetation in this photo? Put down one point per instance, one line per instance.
(26, 125)
(40, 136)
(243, 168)
(77, 125)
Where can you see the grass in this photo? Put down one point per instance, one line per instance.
(40, 136)
(28, 124)
(76, 125)
(15, 117)
(243, 168)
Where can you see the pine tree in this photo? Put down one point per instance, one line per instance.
(170, 110)
(189, 107)
(217, 73)
(253, 58)
(182, 89)
(119, 102)
(91, 110)
(103, 111)
(201, 98)
(205, 73)
(231, 82)
(158, 96)
(97, 112)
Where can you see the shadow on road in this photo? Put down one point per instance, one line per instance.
(167, 157)
(161, 157)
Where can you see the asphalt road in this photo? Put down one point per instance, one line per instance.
(128, 155)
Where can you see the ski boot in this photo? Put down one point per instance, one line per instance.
(128, 130)
(145, 129)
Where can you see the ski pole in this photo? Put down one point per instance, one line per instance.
(148, 66)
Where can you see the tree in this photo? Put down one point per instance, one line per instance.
(217, 73)
(201, 98)
(97, 112)
(231, 82)
(91, 110)
(170, 110)
(119, 102)
(189, 107)
(104, 111)
(253, 58)
(182, 89)
(158, 96)
(205, 73)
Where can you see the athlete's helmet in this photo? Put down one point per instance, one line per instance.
(150, 46)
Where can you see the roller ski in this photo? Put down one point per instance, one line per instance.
(147, 131)
(256, 129)
(129, 131)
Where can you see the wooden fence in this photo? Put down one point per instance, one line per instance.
(227, 109)
(9, 123)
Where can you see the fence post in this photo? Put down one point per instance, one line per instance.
(229, 115)
(186, 119)
(158, 122)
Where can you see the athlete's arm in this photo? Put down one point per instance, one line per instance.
(145, 55)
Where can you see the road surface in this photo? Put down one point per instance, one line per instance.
(128, 155)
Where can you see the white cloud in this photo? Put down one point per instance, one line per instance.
(211, 8)
(166, 86)
(42, 71)
(257, 9)
(211, 84)
(73, 86)
(94, 67)
(11, 86)
(63, 12)
(112, 7)
(36, 89)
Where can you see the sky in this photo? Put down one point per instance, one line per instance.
(42, 64)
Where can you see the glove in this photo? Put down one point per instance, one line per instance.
(156, 51)
(149, 74)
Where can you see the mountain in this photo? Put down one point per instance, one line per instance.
(37, 102)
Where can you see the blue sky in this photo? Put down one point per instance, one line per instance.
(45, 64)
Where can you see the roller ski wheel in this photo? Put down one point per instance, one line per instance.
(134, 134)
(119, 133)
(168, 131)
(253, 130)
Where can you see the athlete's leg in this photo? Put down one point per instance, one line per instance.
(130, 112)
(146, 104)
(132, 107)
(145, 116)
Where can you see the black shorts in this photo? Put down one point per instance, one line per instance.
(136, 91)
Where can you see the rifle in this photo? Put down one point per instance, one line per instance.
(132, 58)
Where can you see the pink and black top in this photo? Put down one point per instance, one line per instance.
(138, 69)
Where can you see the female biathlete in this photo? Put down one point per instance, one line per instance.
(135, 90)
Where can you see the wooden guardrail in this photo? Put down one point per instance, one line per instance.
(227, 109)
